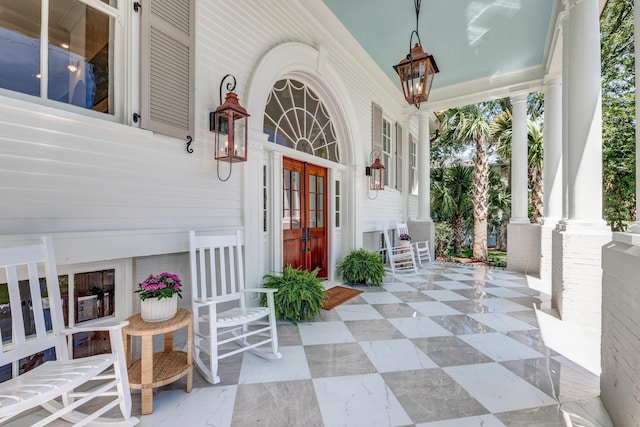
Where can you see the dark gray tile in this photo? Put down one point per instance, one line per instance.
(475, 293)
(373, 330)
(555, 379)
(532, 339)
(450, 351)
(285, 403)
(475, 283)
(332, 360)
(527, 316)
(415, 296)
(468, 307)
(288, 334)
(530, 301)
(391, 311)
(544, 416)
(432, 395)
(461, 324)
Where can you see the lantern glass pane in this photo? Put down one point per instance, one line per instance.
(240, 137)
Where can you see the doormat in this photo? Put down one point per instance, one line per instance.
(338, 295)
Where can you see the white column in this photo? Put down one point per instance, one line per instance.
(519, 163)
(424, 168)
(553, 150)
(635, 227)
(584, 115)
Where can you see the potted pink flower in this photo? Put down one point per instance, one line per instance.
(159, 296)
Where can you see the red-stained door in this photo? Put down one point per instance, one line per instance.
(304, 216)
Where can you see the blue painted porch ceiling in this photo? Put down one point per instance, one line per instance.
(470, 39)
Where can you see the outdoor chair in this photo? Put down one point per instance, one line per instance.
(422, 252)
(36, 332)
(221, 316)
(401, 258)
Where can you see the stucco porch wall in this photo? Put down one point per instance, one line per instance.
(524, 248)
(621, 333)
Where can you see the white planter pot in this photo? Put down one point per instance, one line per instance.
(157, 310)
(405, 242)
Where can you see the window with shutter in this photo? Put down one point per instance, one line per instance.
(167, 51)
(376, 128)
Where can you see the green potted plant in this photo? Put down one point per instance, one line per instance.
(300, 294)
(362, 267)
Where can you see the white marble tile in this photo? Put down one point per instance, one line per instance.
(433, 308)
(358, 312)
(501, 322)
(419, 327)
(500, 347)
(502, 305)
(451, 284)
(324, 333)
(398, 287)
(396, 355)
(380, 298)
(479, 421)
(292, 366)
(209, 406)
(445, 295)
(359, 400)
(504, 292)
(497, 388)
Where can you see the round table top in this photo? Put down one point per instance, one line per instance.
(137, 326)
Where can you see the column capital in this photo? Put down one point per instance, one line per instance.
(519, 96)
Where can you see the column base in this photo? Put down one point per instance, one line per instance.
(546, 231)
(620, 334)
(576, 288)
(524, 248)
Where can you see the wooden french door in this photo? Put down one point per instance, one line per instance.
(304, 216)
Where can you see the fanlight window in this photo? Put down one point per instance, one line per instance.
(296, 118)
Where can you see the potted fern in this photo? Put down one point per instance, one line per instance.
(362, 267)
(300, 294)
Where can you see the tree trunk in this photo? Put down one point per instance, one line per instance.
(501, 240)
(457, 234)
(535, 177)
(480, 200)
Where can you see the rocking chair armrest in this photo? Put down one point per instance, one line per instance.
(205, 301)
(262, 290)
(110, 325)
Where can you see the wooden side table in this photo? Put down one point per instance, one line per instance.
(160, 368)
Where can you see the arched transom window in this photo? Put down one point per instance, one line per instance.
(296, 118)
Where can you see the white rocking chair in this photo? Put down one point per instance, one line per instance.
(217, 278)
(422, 252)
(401, 258)
(63, 385)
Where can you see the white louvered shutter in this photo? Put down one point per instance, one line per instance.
(376, 128)
(167, 66)
(399, 156)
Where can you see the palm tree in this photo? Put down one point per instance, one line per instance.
(451, 198)
(469, 125)
(501, 129)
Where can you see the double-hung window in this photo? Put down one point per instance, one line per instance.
(76, 55)
(413, 165)
(61, 50)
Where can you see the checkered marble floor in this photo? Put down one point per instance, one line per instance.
(455, 346)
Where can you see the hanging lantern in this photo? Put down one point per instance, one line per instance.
(376, 177)
(416, 73)
(417, 69)
(230, 124)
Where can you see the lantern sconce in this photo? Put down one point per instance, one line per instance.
(417, 69)
(229, 122)
(375, 172)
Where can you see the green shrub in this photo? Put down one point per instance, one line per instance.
(300, 294)
(444, 235)
(362, 267)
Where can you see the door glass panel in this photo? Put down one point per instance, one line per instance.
(312, 183)
(286, 179)
(320, 201)
(320, 222)
(320, 184)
